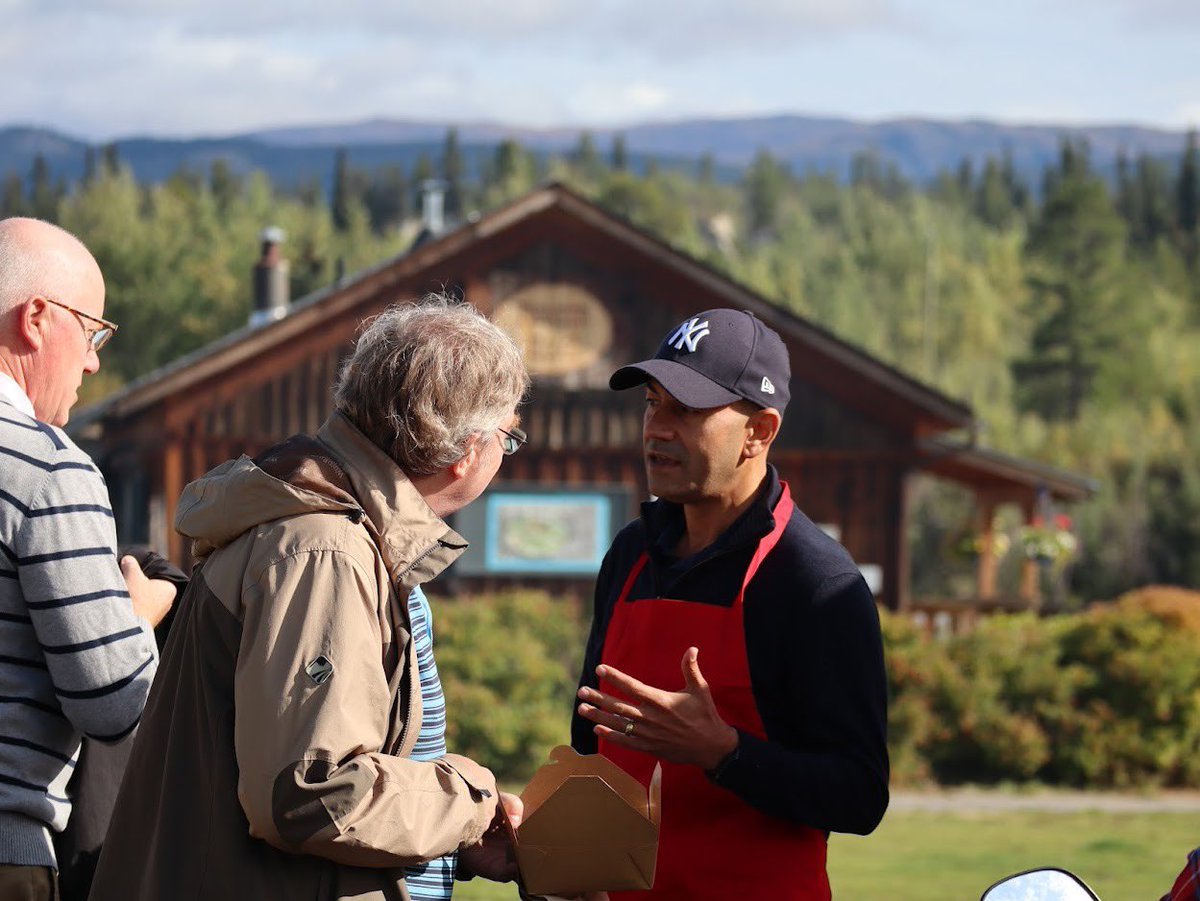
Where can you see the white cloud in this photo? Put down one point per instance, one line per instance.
(1187, 116)
(603, 101)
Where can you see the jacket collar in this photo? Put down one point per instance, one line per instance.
(416, 544)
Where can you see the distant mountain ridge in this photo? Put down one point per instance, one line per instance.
(920, 148)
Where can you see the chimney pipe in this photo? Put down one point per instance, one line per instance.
(433, 196)
(271, 297)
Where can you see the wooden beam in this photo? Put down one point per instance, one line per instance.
(172, 487)
(897, 562)
(986, 564)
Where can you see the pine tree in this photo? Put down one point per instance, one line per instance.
(866, 170)
(1154, 201)
(1126, 200)
(1075, 252)
(340, 203)
(12, 197)
(453, 171)
(763, 188)
(225, 184)
(965, 178)
(386, 199)
(993, 197)
(620, 156)
(586, 159)
(511, 172)
(1187, 203)
(89, 165)
(42, 198)
(110, 155)
(1019, 194)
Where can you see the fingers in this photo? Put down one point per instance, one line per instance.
(130, 569)
(693, 679)
(514, 808)
(610, 721)
(627, 685)
(618, 737)
(608, 703)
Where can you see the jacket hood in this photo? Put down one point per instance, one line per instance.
(237, 496)
(338, 471)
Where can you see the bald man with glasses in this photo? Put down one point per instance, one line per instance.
(77, 649)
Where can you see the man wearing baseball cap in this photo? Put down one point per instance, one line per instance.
(732, 639)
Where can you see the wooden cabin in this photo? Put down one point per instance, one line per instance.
(586, 292)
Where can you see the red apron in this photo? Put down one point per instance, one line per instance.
(711, 843)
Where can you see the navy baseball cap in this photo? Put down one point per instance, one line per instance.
(716, 358)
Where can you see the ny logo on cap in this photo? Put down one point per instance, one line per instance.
(689, 333)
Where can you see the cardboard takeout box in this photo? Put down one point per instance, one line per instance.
(587, 826)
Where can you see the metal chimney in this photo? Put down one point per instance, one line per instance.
(433, 201)
(271, 296)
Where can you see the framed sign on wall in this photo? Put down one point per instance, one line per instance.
(541, 531)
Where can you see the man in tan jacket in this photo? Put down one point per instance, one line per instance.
(294, 743)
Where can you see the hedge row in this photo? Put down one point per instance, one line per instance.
(509, 664)
(1105, 698)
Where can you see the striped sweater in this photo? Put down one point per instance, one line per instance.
(74, 659)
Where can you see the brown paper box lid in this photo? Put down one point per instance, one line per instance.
(588, 826)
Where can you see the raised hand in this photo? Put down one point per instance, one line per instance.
(678, 726)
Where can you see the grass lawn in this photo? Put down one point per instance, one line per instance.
(922, 856)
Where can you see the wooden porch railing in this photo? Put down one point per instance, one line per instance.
(941, 618)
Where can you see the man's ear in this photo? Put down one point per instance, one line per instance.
(762, 427)
(464, 464)
(31, 321)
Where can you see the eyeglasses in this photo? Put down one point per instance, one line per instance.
(512, 441)
(96, 337)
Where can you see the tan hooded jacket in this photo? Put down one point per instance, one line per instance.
(272, 758)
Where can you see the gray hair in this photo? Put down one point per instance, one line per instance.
(426, 378)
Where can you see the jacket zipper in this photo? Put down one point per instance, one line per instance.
(421, 556)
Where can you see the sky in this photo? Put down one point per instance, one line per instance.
(103, 69)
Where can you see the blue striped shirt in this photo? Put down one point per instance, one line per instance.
(74, 659)
(433, 881)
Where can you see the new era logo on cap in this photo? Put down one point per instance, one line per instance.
(716, 358)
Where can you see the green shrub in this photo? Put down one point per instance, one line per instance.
(509, 663)
(1004, 683)
(1137, 716)
(913, 661)
(1107, 698)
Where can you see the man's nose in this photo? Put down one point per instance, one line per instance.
(92, 362)
(658, 423)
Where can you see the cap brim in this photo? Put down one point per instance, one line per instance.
(686, 385)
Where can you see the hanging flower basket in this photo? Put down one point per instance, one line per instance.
(971, 545)
(1049, 542)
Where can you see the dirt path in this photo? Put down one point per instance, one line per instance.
(970, 800)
